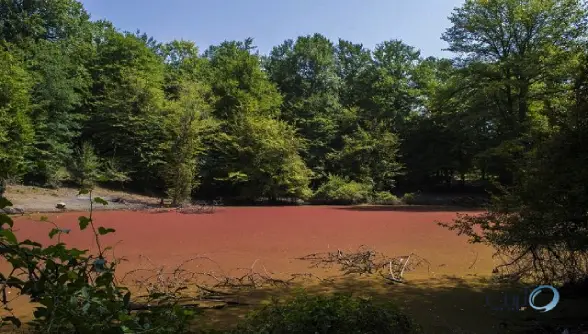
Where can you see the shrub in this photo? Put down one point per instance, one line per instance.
(410, 198)
(84, 167)
(339, 190)
(327, 314)
(385, 198)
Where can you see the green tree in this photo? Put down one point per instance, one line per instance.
(16, 130)
(305, 71)
(239, 83)
(187, 120)
(273, 167)
(182, 64)
(85, 166)
(127, 108)
(252, 154)
(392, 96)
(353, 63)
(519, 53)
(538, 222)
(25, 21)
(61, 86)
(54, 38)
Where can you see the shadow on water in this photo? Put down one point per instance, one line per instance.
(410, 208)
(440, 305)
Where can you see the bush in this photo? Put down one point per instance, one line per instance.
(327, 314)
(385, 198)
(84, 167)
(410, 198)
(339, 190)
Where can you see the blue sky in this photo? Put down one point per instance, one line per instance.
(419, 23)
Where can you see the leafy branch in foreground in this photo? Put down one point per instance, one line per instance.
(76, 291)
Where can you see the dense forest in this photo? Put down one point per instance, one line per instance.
(81, 101)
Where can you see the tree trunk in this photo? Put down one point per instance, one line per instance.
(523, 105)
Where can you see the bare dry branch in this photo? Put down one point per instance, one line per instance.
(366, 261)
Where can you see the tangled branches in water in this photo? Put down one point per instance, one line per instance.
(205, 288)
(366, 261)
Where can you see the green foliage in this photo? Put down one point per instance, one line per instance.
(370, 155)
(113, 172)
(522, 76)
(305, 72)
(127, 116)
(37, 20)
(542, 225)
(61, 84)
(259, 158)
(327, 314)
(186, 123)
(16, 130)
(385, 198)
(410, 198)
(85, 165)
(238, 82)
(340, 190)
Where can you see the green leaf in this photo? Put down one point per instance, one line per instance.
(74, 252)
(103, 231)
(44, 218)
(100, 201)
(40, 312)
(30, 243)
(9, 236)
(84, 191)
(127, 298)
(54, 232)
(84, 222)
(5, 219)
(4, 202)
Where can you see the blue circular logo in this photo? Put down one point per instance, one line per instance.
(551, 305)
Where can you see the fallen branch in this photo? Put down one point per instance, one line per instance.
(366, 261)
(206, 286)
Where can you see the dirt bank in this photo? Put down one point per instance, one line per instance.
(28, 199)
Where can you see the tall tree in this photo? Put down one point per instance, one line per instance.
(353, 63)
(518, 52)
(236, 78)
(127, 118)
(306, 74)
(55, 40)
(61, 87)
(16, 131)
(252, 154)
(30, 21)
(186, 123)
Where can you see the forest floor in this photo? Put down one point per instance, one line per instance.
(30, 199)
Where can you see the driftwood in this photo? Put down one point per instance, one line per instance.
(366, 261)
(206, 287)
(217, 289)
